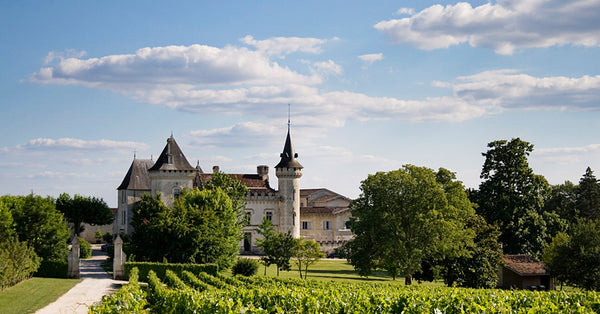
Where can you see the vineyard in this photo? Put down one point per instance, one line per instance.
(203, 293)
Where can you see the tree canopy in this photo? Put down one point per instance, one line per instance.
(405, 216)
(278, 247)
(512, 196)
(588, 196)
(200, 227)
(574, 258)
(84, 209)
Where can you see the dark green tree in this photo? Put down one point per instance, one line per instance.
(479, 268)
(562, 200)
(266, 243)
(200, 227)
(588, 196)
(406, 216)
(84, 209)
(512, 197)
(7, 230)
(575, 258)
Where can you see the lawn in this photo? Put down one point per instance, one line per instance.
(33, 294)
(337, 270)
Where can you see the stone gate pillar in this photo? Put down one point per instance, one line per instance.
(119, 259)
(73, 260)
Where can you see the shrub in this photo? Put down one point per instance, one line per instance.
(245, 267)
(161, 268)
(129, 299)
(107, 237)
(85, 249)
(53, 269)
(17, 262)
(98, 235)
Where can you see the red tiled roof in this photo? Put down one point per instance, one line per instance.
(524, 265)
(252, 181)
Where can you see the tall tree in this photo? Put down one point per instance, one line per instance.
(84, 209)
(200, 227)
(278, 247)
(562, 200)
(511, 195)
(231, 186)
(405, 216)
(588, 195)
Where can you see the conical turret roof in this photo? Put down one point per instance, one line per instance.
(171, 158)
(288, 156)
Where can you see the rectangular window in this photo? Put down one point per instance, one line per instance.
(247, 218)
(326, 225)
(269, 216)
(305, 225)
(123, 197)
(124, 215)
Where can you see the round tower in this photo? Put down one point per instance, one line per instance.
(288, 172)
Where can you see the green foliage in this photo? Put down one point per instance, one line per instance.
(7, 230)
(17, 262)
(575, 258)
(85, 249)
(307, 252)
(478, 268)
(107, 237)
(160, 268)
(405, 216)
(278, 247)
(84, 209)
(245, 267)
(98, 235)
(131, 298)
(232, 187)
(201, 227)
(53, 269)
(512, 197)
(269, 295)
(562, 200)
(37, 222)
(588, 196)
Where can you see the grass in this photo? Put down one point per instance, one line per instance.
(337, 270)
(33, 294)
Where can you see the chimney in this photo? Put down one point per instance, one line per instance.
(263, 172)
(215, 169)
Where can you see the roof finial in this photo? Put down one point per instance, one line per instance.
(289, 116)
(134, 151)
(171, 133)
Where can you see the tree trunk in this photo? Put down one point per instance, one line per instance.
(408, 280)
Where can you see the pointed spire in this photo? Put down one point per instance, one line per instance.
(288, 156)
(171, 158)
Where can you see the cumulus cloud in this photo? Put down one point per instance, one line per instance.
(513, 90)
(281, 46)
(369, 59)
(328, 67)
(174, 66)
(60, 175)
(238, 135)
(591, 148)
(60, 55)
(405, 11)
(63, 144)
(504, 25)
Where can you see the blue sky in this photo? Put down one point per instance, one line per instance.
(372, 85)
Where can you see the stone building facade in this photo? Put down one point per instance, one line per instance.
(318, 214)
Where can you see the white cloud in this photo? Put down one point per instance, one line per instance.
(183, 67)
(328, 67)
(503, 26)
(61, 55)
(239, 135)
(513, 90)
(281, 46)
(591, 148)
(369, 59)
(60, 175)
(405, 11)
(63, 144)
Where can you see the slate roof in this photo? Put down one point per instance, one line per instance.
(177, 160)
(137, 177)
(288, 156)
(524, 265)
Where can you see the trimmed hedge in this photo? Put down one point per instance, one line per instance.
(17, 262)
(85, 249)
(161, 268)
(53, 269)
(131, 298)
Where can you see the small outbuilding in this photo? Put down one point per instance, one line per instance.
(524, 272)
